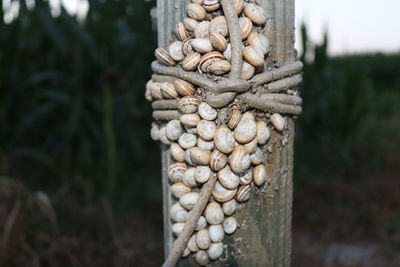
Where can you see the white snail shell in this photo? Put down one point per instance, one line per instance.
(219, 25)
(255, 13)
(214, 213)
(179, 189)
(189, 200)
(224, 140)
(227, 178)
(203, 239)
(173, 130)
(229, 207)
(211, 5)
(245, 27)
(155, 132)
(178, 213)
(185, 253)
(201, 223)
(200, 156)
(187, 48)
(207, 112)
(228, 52)
(190, 129)
(187, 140)
(247, 71)
(190, 120)
(246, 177)
(259, 41)
(163, 137)
(177, 228)
(219, 67)
(251, 146)
(206, 129)
(216, 233)
(201, 258)
(155, 89)
(176, 172)
(202, 174)
(260, 175)
(201, 30)
(215, 250)
(230, 225)
(177, 152)
(246, 130)
(188, 156)
(147, 94)
(262, 132)
(175, 51)
(278, 121)
(221, 194)
(257, 157)
(202, 45)
(243, 193)
(190, 24)
(188, 178)
(239, 160)
(203, 144)
(196, 11)
(192, 245)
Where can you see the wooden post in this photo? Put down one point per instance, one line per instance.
(264, 237)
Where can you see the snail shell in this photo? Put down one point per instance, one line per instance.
(201, 258)
(206, 129)
(196, 11)
(233, 118)
(147, 93)
(188, 178)
(188, 157)
(180, 31)
(201, 30)
(228, 52)
(246, 130)
(260, 175)
(184, 88)
(207, 59)
(190, 119)
(168, 90)
(177, 228)
(218, 41)
(191, 61)
(213, 213)
(155, 132)
(163, 57)
(216, 233)
(278, 121)
(203, 239)
(262, 132)
(246, 177)
(255, 13)
(187, 48)
(201, 223)
(259, 41)
(189, 200)
(188, 104)
(185, 253)
(206, 145)
(175, 51)
(239, 160)
(219, 25)
(239, 5)
(218, 160)
(227, 178)
(179, 189)
(190, 129)
(215, 250)
(257, 157)
(178, 213)
(190, 24)
(192, 245)
(202, 45)
(199, 2)
(173, 130)
(155, 90)
(229, 207)
(221, 194)
(253, 56)
(245, 27)
(247, 71)
(251, 146)
(202, 174)
(230, 225)
(187, 140)
(224, 140)
(176, 172)
(163, 137)
(200, 156)
(219, 67)
(243, 193)
(207, 112)
(177, 152)
(211, 5)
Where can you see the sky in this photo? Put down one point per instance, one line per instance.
(353, 26)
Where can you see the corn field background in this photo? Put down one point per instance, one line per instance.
(80, 177)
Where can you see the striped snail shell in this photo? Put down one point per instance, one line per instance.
(218, 160)
(255, 13)
(243, 193)
(163, 56)
(196, 11)
(184, 88)
(176, 172)
(191, 61)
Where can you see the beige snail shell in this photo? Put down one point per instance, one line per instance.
(202, 45)
(218, 160)
(187, 48)
(219, 67)
(173, 130)
(202, 174)
(233, 118)
(184, 88)
(179, 189)
(155, 132)
(253, 56)
(239, 160)
(215, 250)
(227, 178)
(190, 120)
(175, 51)
(224, 140)
(207, 59)
(259, 41)
(187, 140)
(188, 178)
(190, 129)
(203, 239)
(229, 207)
(201, 223)
(247, 71)
(178, 213)
(200, 156)
(188, 104)
(180, 31)
(211, 5)
(245, 27)
(196, 11)
(177, 228)
(147, 93)
(201, 257)
(214, 213)
(188, 157)
(218, 41)
(239, 5)
(190, 24)
(168, 90)
(189, 200)
(185, 253)
(251, 146)
(176, 172)
(163, 137)
(177, 153)
(206, 129)
(243, 193)
(278, 121)
(163, 56)
(257, 157)
(262, 132)
(191, 61)
(155, 90)
(221, 194)
(255, 13)
(207, 112)
(199, 2)
(201, 30)
(246, 130)
(192, 245)
(230, 225)
(260, 175)
(219, 25)
(206, 145)
(216, 233)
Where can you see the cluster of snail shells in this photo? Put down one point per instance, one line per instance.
(203, 39)
(201, 144)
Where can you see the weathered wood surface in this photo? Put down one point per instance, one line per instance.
(265, 236)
